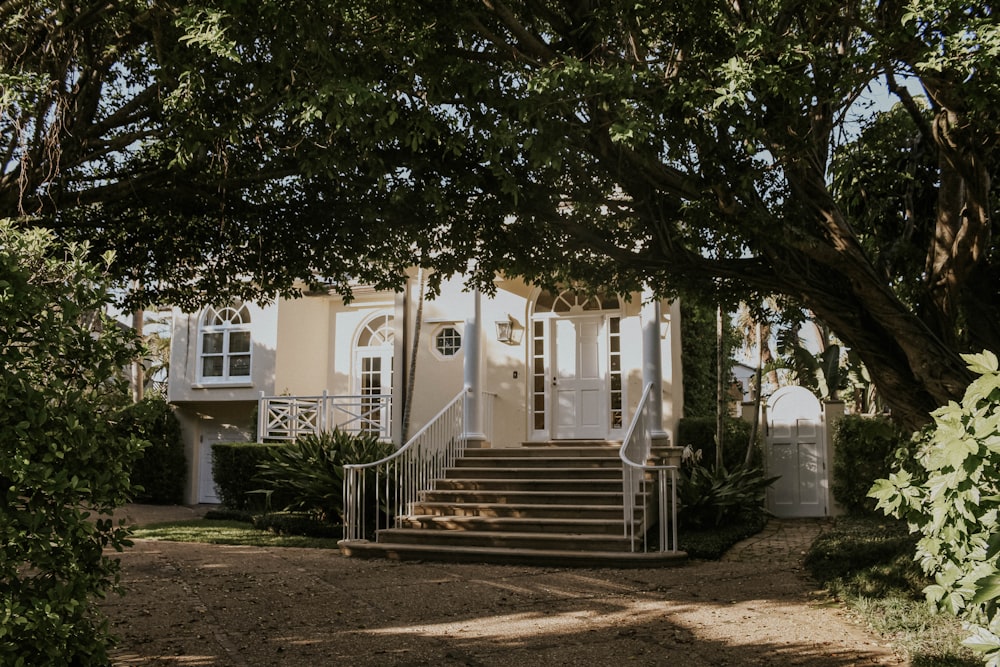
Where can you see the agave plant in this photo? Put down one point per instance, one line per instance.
(311, 470)
(716, 496)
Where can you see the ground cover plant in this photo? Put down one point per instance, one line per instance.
(229, 531)
(867, 564)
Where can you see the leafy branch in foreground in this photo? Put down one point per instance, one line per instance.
(950, 495)
(63, 463)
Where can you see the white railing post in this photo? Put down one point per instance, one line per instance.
(262, 408)
(321, 418)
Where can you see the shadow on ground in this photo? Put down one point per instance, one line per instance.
(190, 604)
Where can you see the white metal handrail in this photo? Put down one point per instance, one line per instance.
(290, 417)
(399, 478)
(635, 455)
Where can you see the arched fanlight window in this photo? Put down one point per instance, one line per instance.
(225, 349)
(571, 301)
(376, 332)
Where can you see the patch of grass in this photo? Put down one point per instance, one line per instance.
(212, 531)
(867, 563)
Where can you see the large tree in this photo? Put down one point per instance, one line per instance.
(228, 147)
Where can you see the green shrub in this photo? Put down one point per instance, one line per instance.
(864, 450)
(61, 461)
(312, 470)
(699, 433)
(953, 500)
(235, 468)
(712, 497)
(161, 469)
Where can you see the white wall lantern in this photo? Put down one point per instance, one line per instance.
(505, 330)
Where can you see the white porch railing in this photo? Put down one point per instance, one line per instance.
(640, 478)
(388, 488)
(289, 417)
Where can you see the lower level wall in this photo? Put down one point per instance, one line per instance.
(203, 424)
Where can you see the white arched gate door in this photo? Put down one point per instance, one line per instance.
(796, 451)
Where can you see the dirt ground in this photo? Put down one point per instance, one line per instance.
(204, 605)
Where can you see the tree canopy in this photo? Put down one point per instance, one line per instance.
(229, 148)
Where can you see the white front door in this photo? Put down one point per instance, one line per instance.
(206, 483)
(796, 451)
(579, 389)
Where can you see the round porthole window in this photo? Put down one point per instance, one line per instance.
(448, 341)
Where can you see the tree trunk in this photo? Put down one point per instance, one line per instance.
(720, 389)
(412, 373)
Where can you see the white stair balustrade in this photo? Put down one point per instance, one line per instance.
(397, 480)
(643, 478)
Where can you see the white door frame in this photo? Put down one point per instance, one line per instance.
(386, 354)
(586, 398)
(796, 449)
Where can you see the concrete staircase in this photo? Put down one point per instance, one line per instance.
(552, 504)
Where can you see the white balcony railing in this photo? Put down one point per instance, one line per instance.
(289, 417)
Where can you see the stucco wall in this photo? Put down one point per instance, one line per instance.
(185, 385)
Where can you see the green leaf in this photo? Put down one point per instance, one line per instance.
(983, 363)
(987, 588)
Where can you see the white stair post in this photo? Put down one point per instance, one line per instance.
(652, 363)
(472, 371)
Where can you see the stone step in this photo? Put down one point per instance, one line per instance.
(544, 451)
(563, 485)
(600, 462)
(506, 540)
(534, 472)
(542, 525)
(522, 497)
(504, 556)
(524, 510)
(560, 444)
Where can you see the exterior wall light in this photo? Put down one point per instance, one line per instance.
(505, 330)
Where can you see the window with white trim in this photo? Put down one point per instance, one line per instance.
(224, 344)
(448, 341)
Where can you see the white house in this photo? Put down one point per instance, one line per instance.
(534, 365)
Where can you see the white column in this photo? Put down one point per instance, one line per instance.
(652, 359)
(473, 375)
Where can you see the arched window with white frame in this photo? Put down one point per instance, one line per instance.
(225, 349)
(373, 365)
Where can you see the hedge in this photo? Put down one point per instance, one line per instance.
(699, 432)
(235, 470)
